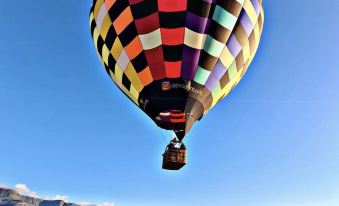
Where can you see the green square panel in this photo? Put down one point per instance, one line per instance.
(201, 75)
(224, 18)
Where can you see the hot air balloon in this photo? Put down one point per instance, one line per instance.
(176, 59)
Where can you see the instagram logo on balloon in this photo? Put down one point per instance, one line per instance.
(165, 85)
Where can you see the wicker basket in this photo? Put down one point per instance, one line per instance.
(174, 159)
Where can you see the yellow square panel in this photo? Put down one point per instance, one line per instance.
(97, 7)
(91, 18)
(134, 92)
(112, 74)
(118, 73)
(246, 51)
(226, 57)
(250, 12)
(105, 54)
(232, 70)
(96, 37)
(117, 49)
(133, 77)
(105, 26)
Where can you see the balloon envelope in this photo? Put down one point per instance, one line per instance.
(176, 59)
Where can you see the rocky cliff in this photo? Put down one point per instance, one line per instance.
(10, 197)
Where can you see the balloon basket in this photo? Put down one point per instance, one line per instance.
(174, 159)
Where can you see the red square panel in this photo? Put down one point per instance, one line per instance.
(148, 24)
(155, 59)
(173, 69)
(172, 37)
(172, 5)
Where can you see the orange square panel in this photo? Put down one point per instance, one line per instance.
(123, 20)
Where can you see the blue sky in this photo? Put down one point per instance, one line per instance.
(66, 129)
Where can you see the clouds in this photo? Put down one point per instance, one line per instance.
(107, 204)
(86, 204)
(3, 186)
(23, 189)
(91, 204)
(61, 197)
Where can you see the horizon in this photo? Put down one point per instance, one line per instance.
(23, 190)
